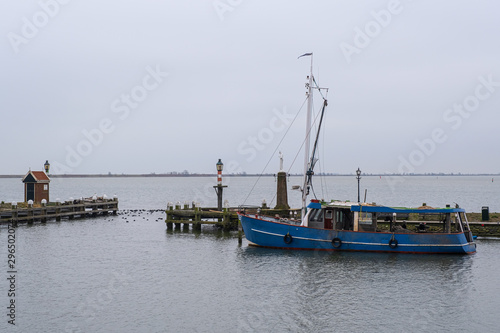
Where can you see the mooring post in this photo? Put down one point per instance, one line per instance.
(43, 218)
(94, 205)
(82, 208)
(30, 212)
(281, 190)
(71, 209)
(58, 210)
(197, 217)
(14, 214)
(226, 219)
(115, 204)
(186, 219)
(177, 207)
(170, 208)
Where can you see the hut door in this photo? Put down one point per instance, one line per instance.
(30, 191)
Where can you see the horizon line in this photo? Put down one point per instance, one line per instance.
(177, 174)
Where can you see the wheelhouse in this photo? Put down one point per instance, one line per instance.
(347, 216)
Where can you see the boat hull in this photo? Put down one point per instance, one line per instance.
(264, 232)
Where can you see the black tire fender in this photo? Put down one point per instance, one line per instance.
(336, 242)
(288, 238)
(393, 243)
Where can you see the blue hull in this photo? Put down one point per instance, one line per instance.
(267, 233)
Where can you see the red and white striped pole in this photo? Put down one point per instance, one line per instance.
(219, 166)
(219, 186)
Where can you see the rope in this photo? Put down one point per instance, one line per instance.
(272, 155)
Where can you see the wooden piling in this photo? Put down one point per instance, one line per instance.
(30, 214)
(14, 215)
(43, 218)
(281, 192)
(58, 211)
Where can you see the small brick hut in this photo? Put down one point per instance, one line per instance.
(36, 186)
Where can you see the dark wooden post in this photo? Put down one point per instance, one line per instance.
(14, 214)
(197, 218)
(58, 210)
(281, 192)
(168, 213)
(177, 207)
(30, 212)
(43, 218)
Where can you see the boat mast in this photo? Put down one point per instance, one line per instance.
(305, 188)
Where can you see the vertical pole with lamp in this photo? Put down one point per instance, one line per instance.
(219, 187)
(358, 177)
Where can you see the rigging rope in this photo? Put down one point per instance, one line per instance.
(272, 155)
(298, 152)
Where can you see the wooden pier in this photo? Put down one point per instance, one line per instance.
(196, 216)
(69, 209)
(226, 219)
(187, 215)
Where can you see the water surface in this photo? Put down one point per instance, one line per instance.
(127, 273)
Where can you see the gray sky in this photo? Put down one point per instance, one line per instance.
(160, 86)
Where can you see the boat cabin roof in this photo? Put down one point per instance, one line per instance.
(372, 208)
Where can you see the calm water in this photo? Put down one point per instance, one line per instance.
(128, 274)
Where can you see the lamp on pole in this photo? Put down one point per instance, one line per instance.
(358, 177)
(46, 166)
(218, 188)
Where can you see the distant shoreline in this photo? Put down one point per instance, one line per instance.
(149, 175)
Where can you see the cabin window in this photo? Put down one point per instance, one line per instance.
(316, 215)
(367, 221)
(343, 219)
(365, 218)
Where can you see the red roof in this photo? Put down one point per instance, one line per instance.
(39, 176)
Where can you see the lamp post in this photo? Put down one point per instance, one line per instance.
(358, 177)
(46, 166)
(219, 187)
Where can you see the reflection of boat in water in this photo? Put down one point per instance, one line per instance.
(346, 226)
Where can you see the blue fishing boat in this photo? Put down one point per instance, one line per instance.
(346, 226)
(349, 226)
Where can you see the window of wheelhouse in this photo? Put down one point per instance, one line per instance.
(316, 218)
(343, 219)
(316, 215)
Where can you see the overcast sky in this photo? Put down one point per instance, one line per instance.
(160, 86)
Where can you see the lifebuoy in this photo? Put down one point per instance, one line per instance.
(336, 242)
(393, 243)
(288, 238)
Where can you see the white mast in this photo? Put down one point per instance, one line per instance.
(305, 188)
